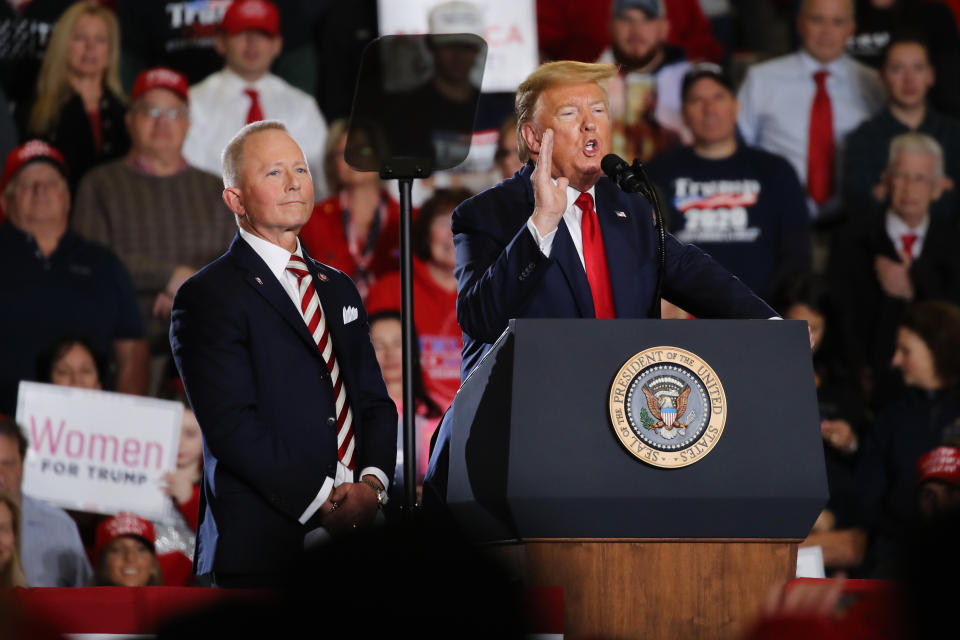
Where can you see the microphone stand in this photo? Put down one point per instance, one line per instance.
(649, 192)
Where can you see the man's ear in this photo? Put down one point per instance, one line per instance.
(234, 200)
(220, 44)
(531, 137)
(277, 47)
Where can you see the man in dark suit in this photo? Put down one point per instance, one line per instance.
(273, 347)
(879, 265)
(560, 240)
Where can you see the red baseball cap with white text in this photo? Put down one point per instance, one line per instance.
(161, 78)
(251, 15)
(124, 524)
(942, 463)
(31, 151)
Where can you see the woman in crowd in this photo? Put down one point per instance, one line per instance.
(842, 410)
(357, 230)
(79, 106)
(183, 485)
(386, 335)
(434, 293)
(71, 361)
(11, 569)
(124, 553)
(928, 357)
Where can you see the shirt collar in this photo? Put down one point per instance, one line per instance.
(836, 67)
(236, 80)
(896, 227)
(274, 255)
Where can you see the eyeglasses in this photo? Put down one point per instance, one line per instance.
(173, 113)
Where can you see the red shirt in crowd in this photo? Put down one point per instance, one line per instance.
(326, 238)
(435, 318)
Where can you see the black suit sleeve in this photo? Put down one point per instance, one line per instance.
(496, 275)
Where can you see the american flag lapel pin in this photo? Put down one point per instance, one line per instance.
(322, 277)
(620, 214)
(259, 281)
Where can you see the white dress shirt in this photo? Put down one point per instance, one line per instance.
(277, 258)
(572, 217)
(218, 109)
(776, 97)
(897, 228)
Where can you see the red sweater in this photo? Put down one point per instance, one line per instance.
(435, 318)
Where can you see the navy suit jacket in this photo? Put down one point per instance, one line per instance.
(502, 274)
(262, 394)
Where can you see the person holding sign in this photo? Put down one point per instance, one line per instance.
(299, 433)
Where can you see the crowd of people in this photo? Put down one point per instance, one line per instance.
(820, 167)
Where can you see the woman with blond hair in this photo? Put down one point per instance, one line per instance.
(11, 568)
(79, 105)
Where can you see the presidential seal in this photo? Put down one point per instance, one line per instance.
(667, 407)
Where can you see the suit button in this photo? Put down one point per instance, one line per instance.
(331, 421)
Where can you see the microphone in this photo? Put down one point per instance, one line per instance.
(622, 173)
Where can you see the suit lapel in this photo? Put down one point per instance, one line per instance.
(564, 254)
(617, 245)
(262, 280)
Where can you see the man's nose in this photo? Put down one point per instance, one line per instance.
(293, 180)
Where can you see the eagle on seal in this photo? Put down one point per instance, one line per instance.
(666, 410)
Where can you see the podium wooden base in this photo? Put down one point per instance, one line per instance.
(632, 589)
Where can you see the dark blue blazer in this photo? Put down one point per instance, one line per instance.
(502, 274)
(262, 394)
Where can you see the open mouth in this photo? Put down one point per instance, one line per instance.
(591, 148)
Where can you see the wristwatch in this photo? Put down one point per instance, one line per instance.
(381, 494)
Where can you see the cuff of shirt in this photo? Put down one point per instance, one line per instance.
(376, 473)
(322, 496)
(544, 242)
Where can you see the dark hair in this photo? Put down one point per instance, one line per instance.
(438, 203)
(906, 37)
(806, 288)
(937, 323)
(420, 397)
(52, 353)
(12, 430)
(700, 70)
(509, 124)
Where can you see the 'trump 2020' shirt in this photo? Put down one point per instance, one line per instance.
(747, 210)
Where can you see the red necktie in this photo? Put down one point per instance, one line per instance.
(255, 113)
(595, 259)
(316, 323)
(820, 143)
(908, 241)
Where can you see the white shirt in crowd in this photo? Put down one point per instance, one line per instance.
(218, 109)
(776, 97)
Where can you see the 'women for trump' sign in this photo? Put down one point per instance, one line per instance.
(96, 450)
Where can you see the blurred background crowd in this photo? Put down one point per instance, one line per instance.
(810, 146)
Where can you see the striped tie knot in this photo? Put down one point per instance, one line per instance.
(297, 266)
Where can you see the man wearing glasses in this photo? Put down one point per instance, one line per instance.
(163, 217)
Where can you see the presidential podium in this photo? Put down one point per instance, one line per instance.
(688, 549)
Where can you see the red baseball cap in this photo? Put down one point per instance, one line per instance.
(161, 78)
(124, 524)
(942, 463)
(251, 15)
(31, 151)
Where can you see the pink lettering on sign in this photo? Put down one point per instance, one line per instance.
(93, 447)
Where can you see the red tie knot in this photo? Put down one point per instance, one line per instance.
(909, 239)
(297, 266)
(585, 202)
(821, 78)
(253, 94)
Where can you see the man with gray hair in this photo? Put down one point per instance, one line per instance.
(879, 267)
(299, 433)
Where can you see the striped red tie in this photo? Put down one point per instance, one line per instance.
(313, 315)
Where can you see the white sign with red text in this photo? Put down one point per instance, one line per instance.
(98, 451)
(508, 26)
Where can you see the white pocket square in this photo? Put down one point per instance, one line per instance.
(349, 314)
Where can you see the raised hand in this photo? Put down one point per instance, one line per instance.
(550, 200)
